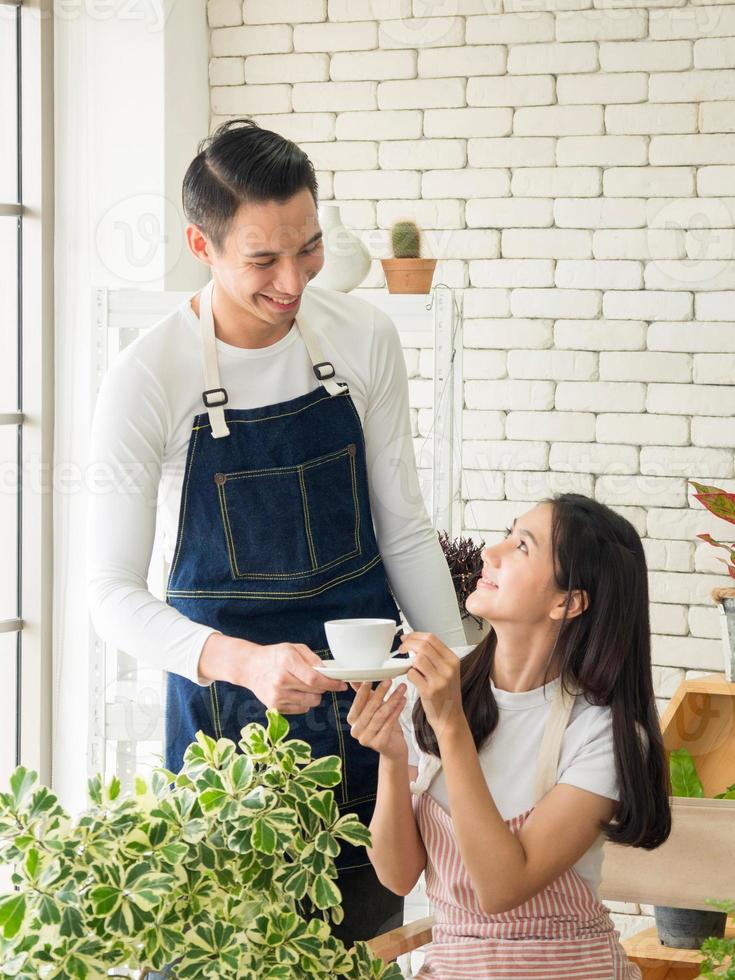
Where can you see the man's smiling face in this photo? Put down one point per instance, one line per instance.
(270, 253)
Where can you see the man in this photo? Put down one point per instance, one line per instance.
(265, 425)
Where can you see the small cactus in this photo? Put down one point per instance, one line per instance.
(406, 240)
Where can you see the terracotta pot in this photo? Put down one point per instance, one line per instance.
(409, 275)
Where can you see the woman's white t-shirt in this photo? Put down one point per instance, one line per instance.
(508, 758)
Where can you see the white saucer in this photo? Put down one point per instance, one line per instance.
(393, 667)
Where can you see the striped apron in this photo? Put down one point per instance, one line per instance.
(563, 932)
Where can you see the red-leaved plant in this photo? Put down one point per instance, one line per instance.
(721, 504)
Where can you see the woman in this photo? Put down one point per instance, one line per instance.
(525, 754)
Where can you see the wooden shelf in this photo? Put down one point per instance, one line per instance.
(659, 962)
(402, 940)
(701, 718)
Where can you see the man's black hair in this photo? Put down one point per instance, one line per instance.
(242, 163)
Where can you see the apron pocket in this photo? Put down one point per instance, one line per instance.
(263, 538)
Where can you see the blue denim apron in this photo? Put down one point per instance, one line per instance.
(275, 537)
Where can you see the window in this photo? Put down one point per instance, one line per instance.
(26, 387)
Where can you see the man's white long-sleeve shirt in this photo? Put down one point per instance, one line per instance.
(140, 436)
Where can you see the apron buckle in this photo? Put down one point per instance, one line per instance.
(318, 372)
(223, 399)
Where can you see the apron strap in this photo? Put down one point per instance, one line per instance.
(323, 369)
(548, 759)
(214, 396)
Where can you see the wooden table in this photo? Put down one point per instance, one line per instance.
(659, 962)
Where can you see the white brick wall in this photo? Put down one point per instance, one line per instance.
(573, 166)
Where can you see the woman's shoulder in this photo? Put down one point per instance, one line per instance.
(589, 721)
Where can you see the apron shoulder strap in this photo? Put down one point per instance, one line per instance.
(548, 758)
(323, 369)
(214, 396)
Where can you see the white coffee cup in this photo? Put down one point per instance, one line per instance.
(356, 643)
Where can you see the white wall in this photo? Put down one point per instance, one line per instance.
(573, 166)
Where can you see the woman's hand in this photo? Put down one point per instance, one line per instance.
(436, 674)
(374, 719)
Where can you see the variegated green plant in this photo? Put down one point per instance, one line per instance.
(210, 869)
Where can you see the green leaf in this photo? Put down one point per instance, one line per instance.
(21, 783)
(301, 750)
(323, 805)
(296, 882)
(105, 899)
(684, 778)
(325, 893)
(12, 913)
(71, 922)
(212, 800)
(326, 843)
(253, 741)
(94, 789)
(194, 830)
(48, 911)
(264, 836)
(350, 829)
(729, 793)
(313, 859)
(31, 864)
(157, 833)
(323, 772)
(175, 852)
(277, 726)
(50, 874)
(282, 819)
(241, 773)
(717, 501)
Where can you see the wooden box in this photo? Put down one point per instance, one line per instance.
(697, 862)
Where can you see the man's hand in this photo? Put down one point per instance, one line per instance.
(281, 675)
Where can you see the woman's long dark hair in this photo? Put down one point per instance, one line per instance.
(605, 652)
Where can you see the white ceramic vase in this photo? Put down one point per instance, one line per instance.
(346, 259)
(474, 633)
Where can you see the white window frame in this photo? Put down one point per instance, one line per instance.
(33, 414)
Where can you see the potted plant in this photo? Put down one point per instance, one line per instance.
(722, 504)
(465, 565)
(688, 928)
(208, 870)
(407, 272)
(718, 952)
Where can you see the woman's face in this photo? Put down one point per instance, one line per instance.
(517, 583)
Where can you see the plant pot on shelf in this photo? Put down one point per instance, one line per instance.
(409, 275)
(687, 928)
(725, 599)
(475, 630)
